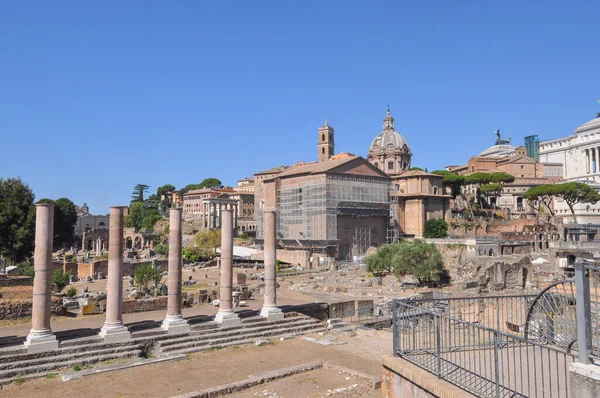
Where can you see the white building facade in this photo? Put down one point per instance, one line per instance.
(580, 155)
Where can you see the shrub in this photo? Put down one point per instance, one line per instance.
(72, 291)
(435, 228)
(76, 368)
(60, 279)
(147, 276)
(243, 236)
(162, 248)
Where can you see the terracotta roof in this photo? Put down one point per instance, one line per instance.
(325, 166)
(516, 158)
(274, 170)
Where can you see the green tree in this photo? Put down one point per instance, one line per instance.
(576, 192)
(541, 195)
(165, 189)
(382, 259)
(141, 217)
(419, 259)
(147, 276)
(60, 279)
(491, 190)
(452, 180)
(416, 168)
(207, 241)
(17, 220)
(435, 228)
(211, 183)
(138, 192)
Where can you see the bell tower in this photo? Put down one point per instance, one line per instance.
(325, 146)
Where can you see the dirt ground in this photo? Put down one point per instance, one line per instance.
(317, 383)
(212, 368)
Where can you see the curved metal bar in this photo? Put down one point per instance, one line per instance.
(539, 296)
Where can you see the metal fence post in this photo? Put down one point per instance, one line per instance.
(583, 312)
(438, 348)
(496, 365)
(395, 332)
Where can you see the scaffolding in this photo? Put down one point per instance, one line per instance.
(309, 210)
(361, 239)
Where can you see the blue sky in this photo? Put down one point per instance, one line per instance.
(95, 98)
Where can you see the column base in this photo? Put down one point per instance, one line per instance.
(272, 314)
(112, 333)
(227, 319)
(41, 340)
(175, 324)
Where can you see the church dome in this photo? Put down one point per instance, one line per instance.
(389, 138)
(389, 151)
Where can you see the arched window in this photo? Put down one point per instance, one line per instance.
(323, 137)
(101, 224)
(323, 151)
(435, 190)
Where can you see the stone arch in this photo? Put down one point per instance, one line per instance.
(491, 252)
(101, 224)
(128, 243)
(322, 151)
(435, 190)
(137, 243)
(90, 244)
(323, 137)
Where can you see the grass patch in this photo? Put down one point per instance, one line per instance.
(76, 368)
(50, 376)
(148, 356)
(19, 380)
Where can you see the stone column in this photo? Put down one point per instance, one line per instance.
(269, 308)
(596, 159)
(113, 328)
(226, 316)
(40, 337)
(235, 219)
(174, 322)
(589, 161)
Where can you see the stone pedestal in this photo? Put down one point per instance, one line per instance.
(269, 309)
(584, 380)
(113, 329)
(174, 322)
(40, 337)
(226, 316)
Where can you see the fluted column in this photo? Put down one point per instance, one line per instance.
(269, 308)
(40, 337)
(113, 328)
(226, 316)
(174, 322)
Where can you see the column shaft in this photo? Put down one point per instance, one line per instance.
(113, 328)
(40, 337)
(174, 321)
(226, 316)
(269, 308)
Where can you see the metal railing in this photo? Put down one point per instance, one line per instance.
(504, 313)
(587, 291)
(463, 347)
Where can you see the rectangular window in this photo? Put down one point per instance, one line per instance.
(390, 165)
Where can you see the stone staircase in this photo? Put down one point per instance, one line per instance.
(242, 334)
(18, 364)
(25, 365)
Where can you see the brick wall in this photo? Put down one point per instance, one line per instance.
(153, 304)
